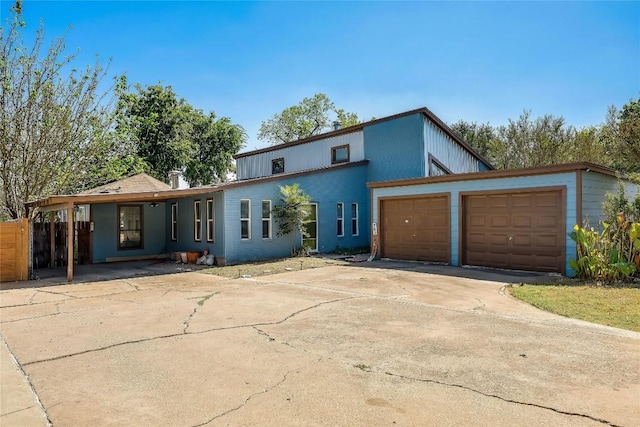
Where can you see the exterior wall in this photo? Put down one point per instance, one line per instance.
(395, 149)
(313, 155)
(595, 186)
(105, 233)
(326, 188)
(448, 152)
(186, 233)
(454, 188)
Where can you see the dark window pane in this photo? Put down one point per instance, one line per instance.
(244, 209)
(244, 229)
(265, 230)
(266, 209)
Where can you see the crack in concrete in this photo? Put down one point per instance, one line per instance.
(134, 286)
(31, 318)
(495, 396)
(141, 340)
(201, 301)
(263, 333)
(251, 396)
(57, 293)
(478, 307)
(27, 380)
(16, 411)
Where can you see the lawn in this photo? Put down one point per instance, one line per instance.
(617, 307)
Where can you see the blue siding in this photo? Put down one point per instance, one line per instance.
(186, 236)
(326, 188)
(483, 167)
(454, 188)
(105, 233)
(395, 149)
(595, 186)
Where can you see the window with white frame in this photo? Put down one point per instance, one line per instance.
(197, 221)
(266, 219)
(210, 221)
(354, 219)
(174, 221)
(340, 219)
(245, 219)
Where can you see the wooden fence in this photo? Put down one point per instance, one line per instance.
(14, 250)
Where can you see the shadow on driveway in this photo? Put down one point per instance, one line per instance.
(477, 273)
(128, 269)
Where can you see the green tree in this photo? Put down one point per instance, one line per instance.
(214, 142)
(629, 136)
(169, 134)
(528, 142)
(292, 213)
(588, 145)
(310, 117)
(54, 120)
(159, 124)
(479, 136)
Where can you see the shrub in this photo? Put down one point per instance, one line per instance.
(612, 253)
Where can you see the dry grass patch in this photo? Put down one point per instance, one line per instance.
(262, 268)
(617, 307)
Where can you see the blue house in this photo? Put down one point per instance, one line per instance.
(404, 184)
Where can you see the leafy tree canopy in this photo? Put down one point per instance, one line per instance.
(310, 117)
(169, 134)
(546, 140)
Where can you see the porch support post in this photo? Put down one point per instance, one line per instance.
(52, 239)
(70, 239)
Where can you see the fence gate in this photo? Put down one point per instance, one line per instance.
(14, 250)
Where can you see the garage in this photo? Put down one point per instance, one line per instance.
(520, 230)
(416, 228)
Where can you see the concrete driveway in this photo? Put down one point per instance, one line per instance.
(381, 343)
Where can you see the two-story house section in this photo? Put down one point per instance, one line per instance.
(412, 144)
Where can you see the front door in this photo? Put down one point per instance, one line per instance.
(311, 228)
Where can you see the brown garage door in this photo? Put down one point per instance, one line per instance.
(416, 228)
(522, 230)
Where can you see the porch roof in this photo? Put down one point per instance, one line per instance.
(92, 197)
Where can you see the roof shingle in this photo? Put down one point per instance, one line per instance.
(140, 183)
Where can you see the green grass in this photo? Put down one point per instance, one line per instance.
(617, 307)
(267, 267)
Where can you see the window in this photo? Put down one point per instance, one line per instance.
(340, 154)
(210, 224)
(340, 219)
(130, 227)
(174, 221)
(277, 166)
(197, 221)
(436, 168)
(266, 219)
(245, 219)
(354, 219)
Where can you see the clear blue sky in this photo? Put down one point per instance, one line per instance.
(476, 61)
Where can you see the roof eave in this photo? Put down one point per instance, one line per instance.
(500, 173)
